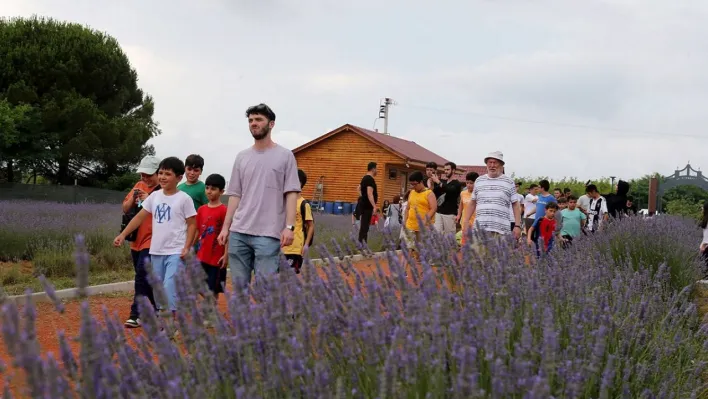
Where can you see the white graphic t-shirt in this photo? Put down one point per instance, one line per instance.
(516, 198)
(169, 221)
(596, 211)
(529, 204)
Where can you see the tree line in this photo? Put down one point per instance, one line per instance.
(70, 106)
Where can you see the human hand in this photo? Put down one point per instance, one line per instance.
(305, 250)
(221, 239)
(223, 261)
(286, 237)
(184, 252)
(118, 241)
(517, 232)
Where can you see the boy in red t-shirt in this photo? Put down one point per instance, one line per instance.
(210, 219)
(544, 228)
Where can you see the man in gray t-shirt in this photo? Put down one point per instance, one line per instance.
(263, 193)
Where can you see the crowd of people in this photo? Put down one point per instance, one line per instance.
(492, 202)
(164, 219)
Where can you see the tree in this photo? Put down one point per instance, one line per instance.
(87, 119)
(684, 207)
(12, 141)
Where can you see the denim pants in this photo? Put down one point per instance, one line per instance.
(142, 286)
(166, 268)
(248, 254)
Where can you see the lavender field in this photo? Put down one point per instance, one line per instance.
(37, 238)
(611, 317)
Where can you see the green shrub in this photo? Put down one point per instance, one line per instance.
(112, 258)
(15, 246)
(54, 263)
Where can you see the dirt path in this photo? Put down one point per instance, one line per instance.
(50, 322)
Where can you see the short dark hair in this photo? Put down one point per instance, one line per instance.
(416, 176)
(571, 197)
(261, 109)
(557, 189)
(567, 190)
(472, 176)
(370, 166)
(431, 165)
(534, 185)
(215, 180)
(173, 164)
(562, 200)
(590, 188)
(452, 165)
(194, 161)
(630, 198)
(552, 205)
(545, 184)
(302, 176)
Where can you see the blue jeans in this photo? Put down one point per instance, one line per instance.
(165, 268)
(249, 253)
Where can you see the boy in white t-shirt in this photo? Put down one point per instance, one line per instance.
(173, 226)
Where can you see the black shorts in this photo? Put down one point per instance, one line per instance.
(295, 261)
(215, 278)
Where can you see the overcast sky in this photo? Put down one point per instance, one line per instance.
(464, 74)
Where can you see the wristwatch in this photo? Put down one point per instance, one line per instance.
(290, 227)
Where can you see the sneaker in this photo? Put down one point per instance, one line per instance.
(132, 322)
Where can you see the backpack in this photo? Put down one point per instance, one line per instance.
(303, 212)
(128, 216)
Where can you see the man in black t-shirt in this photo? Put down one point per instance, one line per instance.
(447, 190)
(367, 201)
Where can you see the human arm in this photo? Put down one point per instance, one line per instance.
(230, 212)
(529, 234)
(517, 219)
(370, 196)
(467, 214)
(310, 223)
(134, 224)
(191, 235)
(433, 204)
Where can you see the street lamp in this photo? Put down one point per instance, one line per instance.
(613, 182)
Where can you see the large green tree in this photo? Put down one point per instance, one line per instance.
(73, 101)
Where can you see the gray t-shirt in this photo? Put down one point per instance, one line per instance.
(261, 179)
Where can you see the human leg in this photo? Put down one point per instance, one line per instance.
(158, 267)
(172, 264)
(439, 224)
(211, 277)
(142, 286)
(365, 222)
(241, 256)
(295, 261)
(266, 252)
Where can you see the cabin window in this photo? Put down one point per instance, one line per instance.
(392, 174)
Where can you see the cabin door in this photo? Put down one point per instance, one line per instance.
(404, 182)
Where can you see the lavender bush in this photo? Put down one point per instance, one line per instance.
(577, 324)
(43, 233)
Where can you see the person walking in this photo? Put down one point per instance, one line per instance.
(368, 200)
(492, 195)
(447, 191)
(263, 193)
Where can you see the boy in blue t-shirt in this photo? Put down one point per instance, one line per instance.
(544, 198)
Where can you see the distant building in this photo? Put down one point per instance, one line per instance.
(341, 156)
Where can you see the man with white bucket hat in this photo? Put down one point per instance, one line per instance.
(492, 197)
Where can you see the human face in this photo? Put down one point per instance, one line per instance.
(470, 185)
(192, 174)
(417, 186)
(429, 172)
(557, 193)
(494, 167)
(149, 180)
(213, 193)
(562, 205)
(550, 213)
(572, 204)
(448, 171)
(260, 126)
(168, 180)
(535, 190)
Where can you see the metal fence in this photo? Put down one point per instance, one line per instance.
(55, 193)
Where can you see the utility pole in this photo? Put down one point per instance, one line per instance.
(383, 112)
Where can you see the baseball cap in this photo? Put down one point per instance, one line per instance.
(149, 165)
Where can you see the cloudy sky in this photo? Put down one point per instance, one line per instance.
(563, 88)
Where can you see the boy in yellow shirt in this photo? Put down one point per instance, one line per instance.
(421, 204)
(304, 229)
(465, 198)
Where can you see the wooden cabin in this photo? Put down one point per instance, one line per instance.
(342, 155)
(463, 170)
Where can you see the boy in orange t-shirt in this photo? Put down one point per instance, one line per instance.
(140, 246)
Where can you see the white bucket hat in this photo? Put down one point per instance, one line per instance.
(149, 165)
(495, 155)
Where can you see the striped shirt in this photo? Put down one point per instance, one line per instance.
(494, 197)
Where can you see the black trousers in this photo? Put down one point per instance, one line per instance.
(364, 224)
(142, 286)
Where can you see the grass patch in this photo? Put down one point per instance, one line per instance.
(16, 278)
